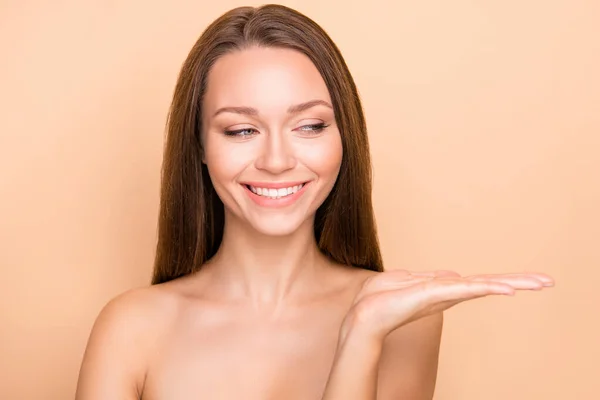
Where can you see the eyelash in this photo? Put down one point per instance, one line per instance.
(317, 128)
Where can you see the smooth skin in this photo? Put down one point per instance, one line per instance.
(392, 301)
(270, 317)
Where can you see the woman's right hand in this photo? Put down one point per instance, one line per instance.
(391, 299)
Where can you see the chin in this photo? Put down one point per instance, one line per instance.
(281, 225)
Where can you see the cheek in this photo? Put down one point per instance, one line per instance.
(226, 160)
(324, 157)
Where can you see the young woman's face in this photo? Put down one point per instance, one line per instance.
(271, 144)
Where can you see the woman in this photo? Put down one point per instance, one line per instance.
(268, 281)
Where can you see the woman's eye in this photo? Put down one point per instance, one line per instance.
(240, 132)
(247, 132)
(314, 128)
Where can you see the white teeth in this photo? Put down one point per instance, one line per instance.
(275, 193)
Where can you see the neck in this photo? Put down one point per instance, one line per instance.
(266, 271)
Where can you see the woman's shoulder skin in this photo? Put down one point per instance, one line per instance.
(134, 325)
(125, 331)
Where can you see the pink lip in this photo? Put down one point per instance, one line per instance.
(275, 203)
(273, 185)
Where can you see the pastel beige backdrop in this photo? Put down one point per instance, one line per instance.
(484, 120)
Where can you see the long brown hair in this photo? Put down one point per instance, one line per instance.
(190, 226)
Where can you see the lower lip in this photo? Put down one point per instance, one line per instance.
(275, 203)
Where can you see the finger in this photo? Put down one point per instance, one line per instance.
(544, 278)
(438, 294)
(538, 280)
(436, 273)
(444, 305)
(517, 282)
(441, 290)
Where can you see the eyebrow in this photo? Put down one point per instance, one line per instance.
(295, 109)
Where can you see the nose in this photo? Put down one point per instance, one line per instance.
(276, 154)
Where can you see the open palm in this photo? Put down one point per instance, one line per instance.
(391, 299)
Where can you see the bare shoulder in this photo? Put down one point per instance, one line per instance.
(120, 343)
(130, 313)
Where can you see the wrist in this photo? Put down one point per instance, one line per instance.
(354, 333)
(359, 343)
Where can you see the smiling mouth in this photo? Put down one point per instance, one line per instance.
(274, 194)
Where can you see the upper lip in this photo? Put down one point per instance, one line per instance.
(273, 185)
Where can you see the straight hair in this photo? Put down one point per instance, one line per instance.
(191, 216)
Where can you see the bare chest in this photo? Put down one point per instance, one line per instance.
(243, 359)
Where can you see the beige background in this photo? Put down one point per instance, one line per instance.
(484, 121)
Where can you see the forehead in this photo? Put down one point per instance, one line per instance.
(269, 79)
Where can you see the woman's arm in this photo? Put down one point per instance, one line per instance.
(404, 367)
(409, 360)
(354, 372)
(393, 302)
